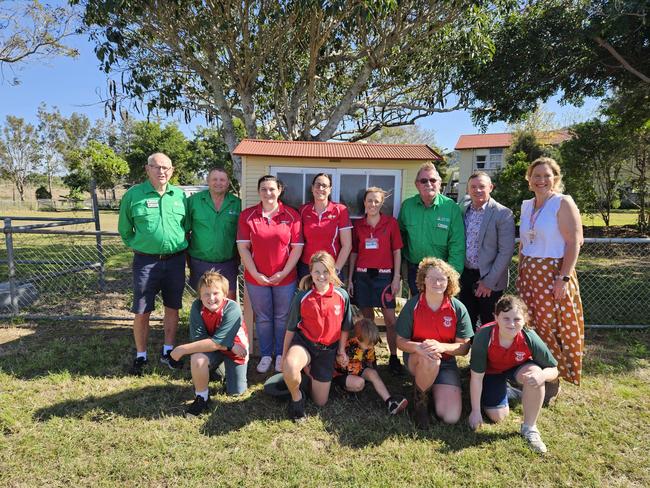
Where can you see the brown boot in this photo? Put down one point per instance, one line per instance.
(551, 391)
(421, 407)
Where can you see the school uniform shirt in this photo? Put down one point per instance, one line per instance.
(225, 327)
(358, 359)
(489, 357)
(321, 232)
(417, 322)
(320, 318)
(213, 231)
(151, 223)
(375, 245)
(271, 240)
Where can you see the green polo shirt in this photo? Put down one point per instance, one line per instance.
(152, 223)
(437, 231)
(213, 232)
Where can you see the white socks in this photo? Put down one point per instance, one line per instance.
(203, 394)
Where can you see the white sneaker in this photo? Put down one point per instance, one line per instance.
(278, 363)
(531, 434)
(264, 364)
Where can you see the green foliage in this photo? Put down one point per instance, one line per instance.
(19, 152)
(42, 193)
(97, 161)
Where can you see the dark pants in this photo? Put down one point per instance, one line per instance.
(483, 307)
(411, 274)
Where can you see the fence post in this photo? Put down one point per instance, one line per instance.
(98, 237)
(9, 240)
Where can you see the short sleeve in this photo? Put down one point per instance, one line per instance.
(296, 230)
(404, 324)
(294, 318)
(243, 229)
(344, 218)
(478, 360)
(542, 355)
(464, 329)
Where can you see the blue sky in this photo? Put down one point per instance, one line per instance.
(76, 85)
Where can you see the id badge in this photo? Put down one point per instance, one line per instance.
(152, 203)
(372, 243)
(531, 236)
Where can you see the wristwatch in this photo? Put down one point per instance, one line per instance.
(565, 278)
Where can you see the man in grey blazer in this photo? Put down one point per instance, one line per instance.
(489, 246)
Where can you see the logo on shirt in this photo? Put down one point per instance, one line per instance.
(446, 321)
(337, 309)
(520, 356)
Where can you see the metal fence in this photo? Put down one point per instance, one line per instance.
(62, 269)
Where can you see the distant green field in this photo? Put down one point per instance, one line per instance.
(617, 217)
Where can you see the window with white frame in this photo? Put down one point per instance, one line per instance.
(348, 186)
(496, 158)
(480, 161)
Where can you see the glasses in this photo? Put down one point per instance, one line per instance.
(322, 186)
(164, 169)
(424, 181)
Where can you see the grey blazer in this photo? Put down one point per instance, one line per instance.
(496, 244)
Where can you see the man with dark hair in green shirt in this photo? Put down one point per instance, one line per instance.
(431, 225)
(152, 223)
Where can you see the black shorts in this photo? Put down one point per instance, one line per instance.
(152, 275)
(369, 287)
(322, 358)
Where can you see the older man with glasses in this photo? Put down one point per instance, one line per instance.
(152, 223)
(431, 225)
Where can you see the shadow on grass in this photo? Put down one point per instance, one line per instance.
(616, 351)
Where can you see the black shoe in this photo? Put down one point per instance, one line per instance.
(297, 410)
(395, 366)
(138, 366)
(396, 404)
(198, 406)
(165, 358)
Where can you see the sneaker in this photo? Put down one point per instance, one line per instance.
(531, 434)
(551, 391)
(138, 366)
(297, 410)
(264, 364)
(395, 366)
(396, 404)
(167, 360)
(198, 406)
(278, 363)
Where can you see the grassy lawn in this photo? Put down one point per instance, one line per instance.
(617, 218)
(70, 417)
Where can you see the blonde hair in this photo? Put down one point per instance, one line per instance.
(213, 278)
(555, 169)
(326, 260)
(510, 302)
(366, 331)
(376, 189)
(428, 166)
(453, 286)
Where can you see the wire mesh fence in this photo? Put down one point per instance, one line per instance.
(75, 273)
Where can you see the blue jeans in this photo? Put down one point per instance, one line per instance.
(271, 307)
(236, 383)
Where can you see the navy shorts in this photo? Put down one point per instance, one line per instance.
(448, 374)
(323, 358)
(368, 289)
(495, 387)
(151, 276)
(228, 269)
(236, 382)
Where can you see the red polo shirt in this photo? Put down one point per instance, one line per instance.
(271, 239)
(323, 316)
(379, 254)
(439, 325)
(500, 359)
(321, 232)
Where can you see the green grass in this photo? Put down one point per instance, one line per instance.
(70, 417)
(617, 218)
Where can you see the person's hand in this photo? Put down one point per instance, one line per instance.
(428, 348)
(277, 278)
(177, 353)
(560, 288)
(395, 286)
(482, 291)
(475, 420)
(342, 358)
(350, 288)
(534, 378)
(239, 350)
(261, 279)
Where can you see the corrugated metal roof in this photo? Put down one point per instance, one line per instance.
(335, 150)
(504, 139)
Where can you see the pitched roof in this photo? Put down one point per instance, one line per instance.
(336, 150)
(504, 139)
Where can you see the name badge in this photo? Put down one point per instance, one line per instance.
(442, 226)
(372, 243)
(152, 204)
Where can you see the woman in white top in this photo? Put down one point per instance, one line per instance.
(551, 236)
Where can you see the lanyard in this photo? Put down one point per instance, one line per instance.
(536, 213)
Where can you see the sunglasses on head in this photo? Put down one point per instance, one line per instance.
(424, 181)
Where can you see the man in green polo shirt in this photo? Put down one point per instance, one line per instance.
(212, 215)
(152, 223)
(431, 225)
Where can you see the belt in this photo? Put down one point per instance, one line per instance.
(379, 270)
(159, 257)
(317, 345)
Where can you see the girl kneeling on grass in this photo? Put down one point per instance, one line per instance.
(218, 335)
(319, 321)
(508, 350)
(360, 351)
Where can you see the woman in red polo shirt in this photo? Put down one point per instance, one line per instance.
(433, 328)
(374, 275)
(326, 226)
(270, 243)
(317, 332)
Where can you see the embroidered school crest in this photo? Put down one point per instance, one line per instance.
(520, 356)
(446, 321)
(337, 309)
